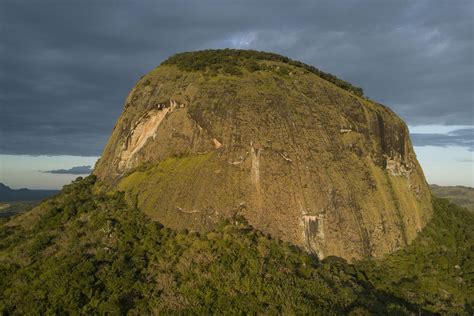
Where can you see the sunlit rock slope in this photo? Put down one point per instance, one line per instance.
(299, 153)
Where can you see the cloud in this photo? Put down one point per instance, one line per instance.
(460, 137)
(68, 66)
(73, 170)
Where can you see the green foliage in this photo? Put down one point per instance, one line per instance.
(90, 253)
(231, 70)
(229, 60)
(252, 65)
(437, 270)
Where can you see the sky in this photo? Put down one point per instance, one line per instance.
(67, 66)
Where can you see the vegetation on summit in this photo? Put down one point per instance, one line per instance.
(232, 61)
(89, 252)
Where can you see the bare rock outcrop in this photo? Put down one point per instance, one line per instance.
(297, 156)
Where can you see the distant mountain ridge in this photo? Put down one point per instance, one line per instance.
(460, 195)
(9, 194)
(74, 170)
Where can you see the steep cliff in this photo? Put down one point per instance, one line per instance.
(297, 152)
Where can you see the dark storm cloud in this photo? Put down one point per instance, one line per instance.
(66, 66)
(461, 137)
(73, 170)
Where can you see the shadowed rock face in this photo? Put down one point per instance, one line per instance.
(298, 157)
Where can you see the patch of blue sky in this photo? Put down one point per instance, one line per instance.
(25, 171)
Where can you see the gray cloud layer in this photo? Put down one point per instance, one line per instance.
(66, 66)
(73, 170)
(461, 137)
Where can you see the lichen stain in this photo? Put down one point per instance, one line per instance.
(255, 179)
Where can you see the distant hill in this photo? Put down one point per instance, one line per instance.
(9, 194)
(11, 208)
(460, 195)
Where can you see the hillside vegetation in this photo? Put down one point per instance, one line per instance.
(88, 252)
(231, 61)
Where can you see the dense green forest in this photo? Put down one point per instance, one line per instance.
(86, 252)
(233, 61)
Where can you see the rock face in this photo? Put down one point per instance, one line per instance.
(297, 156)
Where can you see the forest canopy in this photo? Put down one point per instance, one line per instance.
(89, 252)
